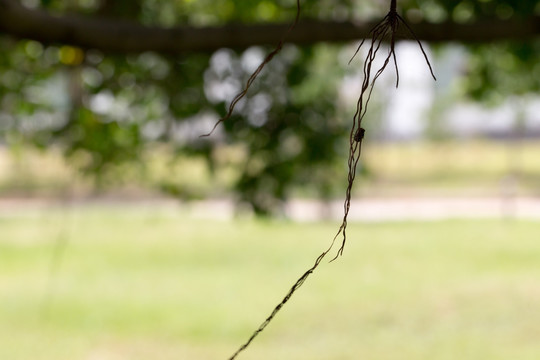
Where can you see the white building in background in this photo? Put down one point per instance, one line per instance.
(407, 112)
(408, 109)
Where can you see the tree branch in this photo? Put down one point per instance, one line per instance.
(113, 35)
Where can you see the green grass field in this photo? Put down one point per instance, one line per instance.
(140, 284)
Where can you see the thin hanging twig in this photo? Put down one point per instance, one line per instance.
(256, 73)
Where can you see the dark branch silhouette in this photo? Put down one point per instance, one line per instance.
(113, 35)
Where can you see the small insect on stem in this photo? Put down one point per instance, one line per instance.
(359, 135)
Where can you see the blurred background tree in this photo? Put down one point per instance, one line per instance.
(73, 77)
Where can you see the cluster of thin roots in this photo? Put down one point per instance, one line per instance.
(384, 31)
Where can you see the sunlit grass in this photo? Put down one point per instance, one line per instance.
(154, 284)
(471, 167)
(424, 168)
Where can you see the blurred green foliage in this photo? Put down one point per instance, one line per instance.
(103, 109)
(513, 69)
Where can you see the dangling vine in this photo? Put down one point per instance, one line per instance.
(384, 31)
(257, 71)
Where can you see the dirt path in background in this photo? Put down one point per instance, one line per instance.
(363, 209)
